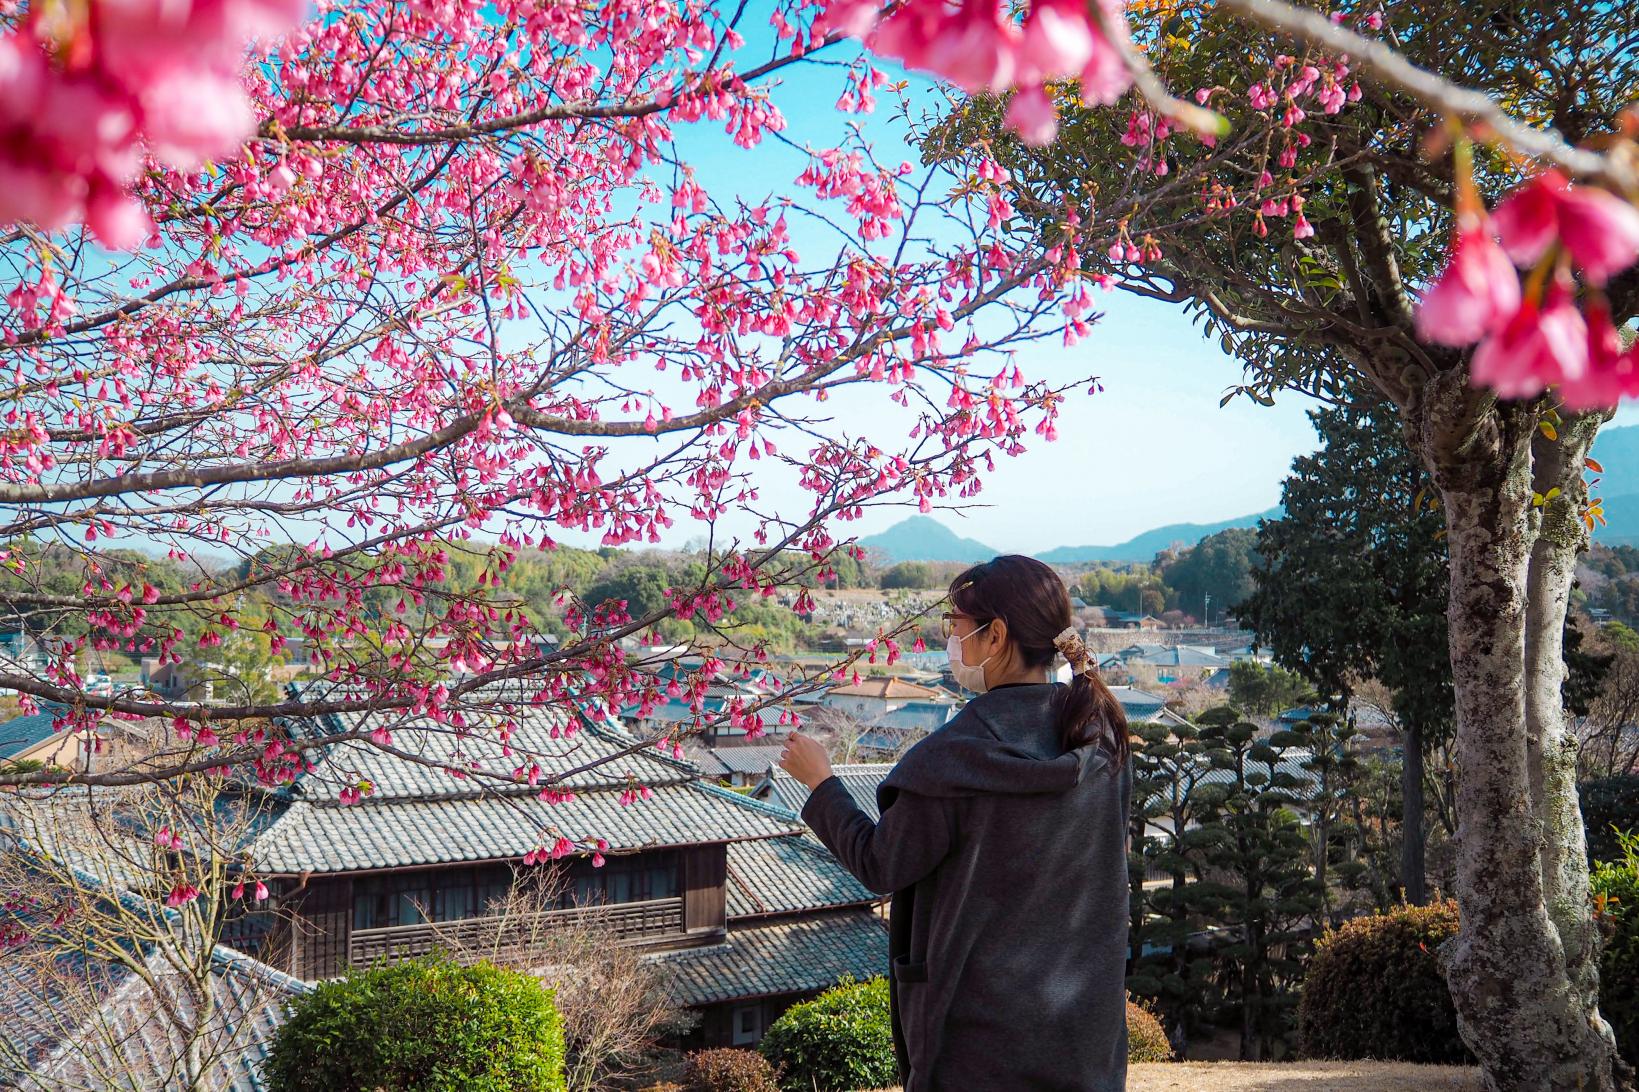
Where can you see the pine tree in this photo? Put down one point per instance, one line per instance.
(1259, 887)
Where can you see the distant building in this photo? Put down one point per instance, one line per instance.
(1141, 706)
(1178, 663)
(892, 732)
(868, 700)
(740, 765)
(1126, 619)
(36, 738)
(671, 711)
(860, 780)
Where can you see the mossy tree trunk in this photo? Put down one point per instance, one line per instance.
(1518, 974)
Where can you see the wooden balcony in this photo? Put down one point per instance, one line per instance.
(631, 922)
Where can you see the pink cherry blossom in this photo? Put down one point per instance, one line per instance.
(81, 101)
(1600, 230)
(1058, 39)
(1612, 373)
(1527, 221)
(181, 895)
(1539, 347)
(1033, 116)
(1478, 292)
(980, 47)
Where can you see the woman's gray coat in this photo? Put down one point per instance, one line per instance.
(1007, 860)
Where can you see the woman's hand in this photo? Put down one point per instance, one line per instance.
(804, 758)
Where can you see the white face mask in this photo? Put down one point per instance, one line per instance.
(971, 676)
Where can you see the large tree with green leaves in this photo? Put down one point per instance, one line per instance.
(1213, 574)
(1351, 583)
(1313, 289)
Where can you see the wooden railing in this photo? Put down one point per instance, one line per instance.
(631, 923)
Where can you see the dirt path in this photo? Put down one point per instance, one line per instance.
(1301, 1077)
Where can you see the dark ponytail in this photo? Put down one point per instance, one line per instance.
(1029, 596)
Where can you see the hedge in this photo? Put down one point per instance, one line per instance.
(840, 1041)
(1374, 990)
(423, 1025)
(727, 1069)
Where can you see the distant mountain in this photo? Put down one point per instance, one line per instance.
(1617, 452)
(1144, 547)
(923, 538)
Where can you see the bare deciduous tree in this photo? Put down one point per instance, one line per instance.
(613, 1001)
(115, 903)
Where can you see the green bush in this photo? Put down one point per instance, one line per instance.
(425, 1025)
(840, 1041)
(1609, 804)
(728, 1070)
(1374, 990)
(1146, 1038)
(1615, 887)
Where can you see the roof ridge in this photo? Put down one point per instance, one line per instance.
(232, 959)
(750, 802)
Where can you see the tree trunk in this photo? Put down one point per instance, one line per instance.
(1550, 748)
(1413, 835)
(1530, 1027)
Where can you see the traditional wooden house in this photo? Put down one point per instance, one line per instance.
(870, 699)
(745, 911)
(434, 840)
(797, 922)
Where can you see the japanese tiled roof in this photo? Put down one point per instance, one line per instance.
(443, 809)
(1182, 656)
(788, 875)
(917, 715)
(133, 1039)
(1139, 705)
(798, 956)
(753, 758)
(860, 779)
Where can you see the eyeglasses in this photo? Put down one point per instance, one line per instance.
(947, 622)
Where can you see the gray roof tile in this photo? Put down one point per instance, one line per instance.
(750, 759)
(860, 779)
(397, 833)
(788, 875)
(424, 815)
(789, 957)
(76, 1019)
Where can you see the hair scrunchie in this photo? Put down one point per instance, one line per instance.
(1070, 644)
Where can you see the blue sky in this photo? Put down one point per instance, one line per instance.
(1153, 448)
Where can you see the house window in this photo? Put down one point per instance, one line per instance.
(748, 1024)
(409, 898)
(639, 877)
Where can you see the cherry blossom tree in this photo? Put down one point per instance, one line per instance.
(465, 278)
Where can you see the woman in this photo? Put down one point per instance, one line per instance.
(1003, 839)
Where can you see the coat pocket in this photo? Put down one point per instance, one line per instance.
(906, 969)
(909, 997)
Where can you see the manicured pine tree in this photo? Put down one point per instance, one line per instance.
(1260, 888)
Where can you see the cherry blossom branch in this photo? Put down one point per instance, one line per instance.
(1475, 107)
